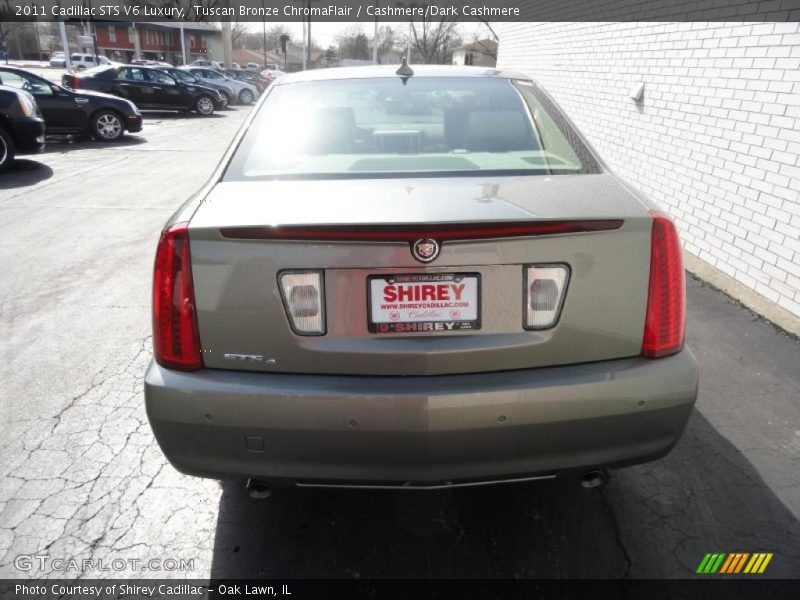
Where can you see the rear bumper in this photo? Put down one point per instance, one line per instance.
(133, 123)
(420, 430)
(28, 135)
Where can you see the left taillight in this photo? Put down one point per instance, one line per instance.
(176, 340)
(303, 295)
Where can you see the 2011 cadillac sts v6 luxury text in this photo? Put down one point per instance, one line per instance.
(415, 279)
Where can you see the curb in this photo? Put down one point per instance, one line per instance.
(777, 315)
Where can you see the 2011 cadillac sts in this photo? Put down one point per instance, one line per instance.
(415, 278)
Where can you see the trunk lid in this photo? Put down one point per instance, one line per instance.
(241, 312)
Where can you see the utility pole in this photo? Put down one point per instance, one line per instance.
(63, 31)
(93, 31)
(136, 48)
(183, 43)
(36, 37)
(304, 42)
(375, 39)
(408, 43)
(227, 49)
(264, 34)
(308, 48)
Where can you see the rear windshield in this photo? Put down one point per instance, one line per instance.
(101, 71)
(429, 126)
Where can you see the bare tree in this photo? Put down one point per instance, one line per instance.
(434, 41)
(353, 43)
(387, 39)
(484, 40)
(238, 32)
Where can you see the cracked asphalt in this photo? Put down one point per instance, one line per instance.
(81, 476)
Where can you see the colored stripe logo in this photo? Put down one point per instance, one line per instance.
(732, 563)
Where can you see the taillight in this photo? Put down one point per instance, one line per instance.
(304, 301)
(545, 288)
(666, 302)
(76, 82)
(176, 341)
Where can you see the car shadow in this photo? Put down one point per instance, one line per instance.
(24, 172)
(173, 116)
(655, 520)
(69, 143)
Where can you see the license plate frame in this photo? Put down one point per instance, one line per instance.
(429, 323)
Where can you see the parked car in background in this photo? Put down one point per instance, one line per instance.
(241, 91)
(221, 93)
(22, 127)
(147, 87)
(417, 280)
(211, 64)
(80, 62)
(58, 59)
(254, 66)
(273, 67)
(103, 116)
(252, 77)
(150, 63)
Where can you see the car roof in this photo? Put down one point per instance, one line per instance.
(372, 71)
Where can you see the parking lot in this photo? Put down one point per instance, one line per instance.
(81, 476)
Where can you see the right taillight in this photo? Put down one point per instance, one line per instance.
(666, 302)
(176, 341)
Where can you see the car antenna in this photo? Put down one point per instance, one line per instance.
(405, 71)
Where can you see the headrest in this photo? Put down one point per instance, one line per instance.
(497, 131)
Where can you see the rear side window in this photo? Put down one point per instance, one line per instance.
(160, 77)
(428, 126)
(105, 72)
(132, 73)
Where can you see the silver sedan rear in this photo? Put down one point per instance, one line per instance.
(416, 279)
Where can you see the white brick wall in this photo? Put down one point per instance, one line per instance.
(715, 141)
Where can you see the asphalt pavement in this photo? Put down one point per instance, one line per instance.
(81, 476)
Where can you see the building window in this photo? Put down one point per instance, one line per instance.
(112, 33)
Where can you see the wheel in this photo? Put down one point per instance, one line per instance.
(6, 150)
(226, 100)
(107, 126)
(246, 97)
(204, 105)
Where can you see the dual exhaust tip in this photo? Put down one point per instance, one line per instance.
(594, 478)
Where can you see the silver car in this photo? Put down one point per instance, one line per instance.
(239, 92)
(416, 278)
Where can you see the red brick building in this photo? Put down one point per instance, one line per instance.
(158, 41)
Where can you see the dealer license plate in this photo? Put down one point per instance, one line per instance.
(421, 303)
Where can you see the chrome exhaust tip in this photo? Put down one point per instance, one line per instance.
(258, 489)
(594, 478)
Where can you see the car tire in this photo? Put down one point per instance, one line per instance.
(246, 97)
(204, 105)
(226, 100)
(107, 126)
(7, 150)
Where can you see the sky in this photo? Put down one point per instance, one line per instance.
(325, 33)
